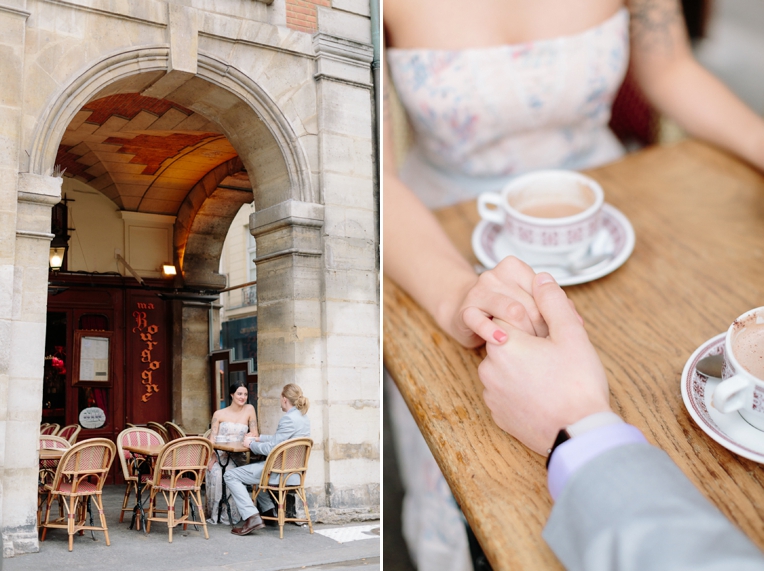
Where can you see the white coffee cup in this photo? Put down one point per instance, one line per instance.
(742, 386)
(551, 216)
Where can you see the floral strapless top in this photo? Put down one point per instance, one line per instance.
(231, 432)
(483, 115)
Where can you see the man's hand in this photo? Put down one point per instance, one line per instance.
(534, 386)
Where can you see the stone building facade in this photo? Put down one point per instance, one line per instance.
(178, 112)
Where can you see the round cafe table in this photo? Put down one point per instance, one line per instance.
(231, 448)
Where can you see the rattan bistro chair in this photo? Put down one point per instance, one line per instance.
(179, 471)
(70, 432)
(80, 475)
(289, 458)
(159, 428)
(48, 471)
(49, 466)
(143, 437)
(50, 429)
(174, 431)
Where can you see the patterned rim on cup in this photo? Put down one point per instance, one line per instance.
(695, 399)
(619, 229)
(616, 231)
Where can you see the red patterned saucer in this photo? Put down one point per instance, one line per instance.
(616, 238)
(729, 430)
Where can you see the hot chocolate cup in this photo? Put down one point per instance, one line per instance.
(742, 386)
(550, 216)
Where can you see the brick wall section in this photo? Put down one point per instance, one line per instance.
(301, 14)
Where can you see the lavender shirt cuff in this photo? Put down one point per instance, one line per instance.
(573, 454)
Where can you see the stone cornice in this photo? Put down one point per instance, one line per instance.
(110, 12)
(35, 235)
(38, 189)
(343, 49)
(342, 60)
(287, 213)
(263, 45)
(15, 11)
(287, 252)
(320, 76)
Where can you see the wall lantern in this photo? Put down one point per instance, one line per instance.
(59, 227)
(169, 270)
(57, 258)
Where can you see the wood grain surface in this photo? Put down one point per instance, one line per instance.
(698, 263)
(143, 450)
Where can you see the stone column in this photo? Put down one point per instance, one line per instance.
(26, 353)
(350, 268)
(18, 536)
(190, 368)
(290, 342)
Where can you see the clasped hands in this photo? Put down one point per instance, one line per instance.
(541, 372)
(249, 437)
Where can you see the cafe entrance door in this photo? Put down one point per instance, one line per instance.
(106, 356)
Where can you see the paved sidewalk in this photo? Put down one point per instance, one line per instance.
(132, 550)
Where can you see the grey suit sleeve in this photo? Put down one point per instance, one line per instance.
(632, 509)
(284, 431)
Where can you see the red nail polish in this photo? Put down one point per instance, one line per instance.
(500, 336)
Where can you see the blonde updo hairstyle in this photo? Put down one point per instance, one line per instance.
(293, 393)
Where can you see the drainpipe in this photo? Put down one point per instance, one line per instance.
(375, 65)
(377, 111)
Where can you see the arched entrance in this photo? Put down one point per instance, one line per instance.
(210, 144)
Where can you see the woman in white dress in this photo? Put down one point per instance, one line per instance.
(229, 424)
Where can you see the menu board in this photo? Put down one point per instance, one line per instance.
(94, 359)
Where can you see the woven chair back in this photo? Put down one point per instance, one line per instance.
(87, 461)
(70, 432)
(51, 442)
(174, 431)
(54, 442)
(287, 458)
(50, 430)
(183, 458)
(140, 436)
(157, 427)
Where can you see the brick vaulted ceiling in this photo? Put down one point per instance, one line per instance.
(145, 154)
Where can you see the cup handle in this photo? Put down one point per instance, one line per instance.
(489, 207)
(730, 394)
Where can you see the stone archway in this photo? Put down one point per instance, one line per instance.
(276, 163)
(242, 109)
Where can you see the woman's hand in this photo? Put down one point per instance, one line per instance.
(211, 463)
(535, 386)
(505, 292)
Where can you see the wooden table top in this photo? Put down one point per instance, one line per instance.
(52, 453)
(143, 450)
(230, 446)
(698, 263)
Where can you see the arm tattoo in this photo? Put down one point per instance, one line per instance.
(253, 426)
(654, 24)
(215, 426)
